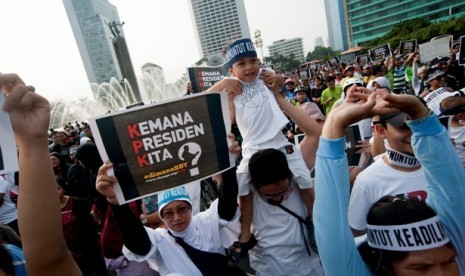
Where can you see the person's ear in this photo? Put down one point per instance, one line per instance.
(381, 130)
(231, 72)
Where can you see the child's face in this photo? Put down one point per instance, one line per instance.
(246, 69)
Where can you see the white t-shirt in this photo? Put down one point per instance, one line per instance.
(258, 115)
(280, 249)
(458, 134)
(206, 232)
(8, 208)
(379, 180)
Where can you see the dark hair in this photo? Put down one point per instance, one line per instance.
(268, 166)
(376, 69)
(391, 210)
(330, 78)
(63, 167)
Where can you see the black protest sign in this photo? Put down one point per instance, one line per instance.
(202, 78)
(353, 135)
(161, 146)
(362, 59)
(407, 47)
(380, 52)
(333, 62)
(462, 51)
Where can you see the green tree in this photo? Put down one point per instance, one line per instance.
(284, 63)
(321, 52)
(420, 29)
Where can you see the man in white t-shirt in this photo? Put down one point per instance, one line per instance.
(396, 172)
(8, 213)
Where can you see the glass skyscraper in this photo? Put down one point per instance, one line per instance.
(370, 19)
(336, 24)
(88, 19)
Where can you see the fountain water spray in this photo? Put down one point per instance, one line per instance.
(112, 96)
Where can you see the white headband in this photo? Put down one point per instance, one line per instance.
(420, 235)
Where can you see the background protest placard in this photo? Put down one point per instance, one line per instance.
(304, 74)
(161, 146)
(8, 152)
(361, 59)
(437, 48)
(380, 52)
(407, 47)
(202, 78)
(353, 135)
(461, 58)
(333, 62)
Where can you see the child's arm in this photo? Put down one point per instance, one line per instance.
(306, 123)
(232, 87)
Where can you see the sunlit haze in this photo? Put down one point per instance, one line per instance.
(38, 43)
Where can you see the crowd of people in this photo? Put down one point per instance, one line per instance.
(290, 207)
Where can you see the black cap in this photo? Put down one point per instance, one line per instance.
(396, 119)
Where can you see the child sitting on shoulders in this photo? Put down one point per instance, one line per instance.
(260, 120)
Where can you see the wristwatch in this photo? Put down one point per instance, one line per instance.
(143, 220)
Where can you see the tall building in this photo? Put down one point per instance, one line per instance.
(372, 19)
(319, 42)
(336, 24)
(89, 19)
(217, 22)
(285, 47)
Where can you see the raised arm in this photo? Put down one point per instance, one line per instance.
(231, 86)
(228, 190)
(39, 213)
(135, 238)
(306, 123)
(337, 249)
(443, 170)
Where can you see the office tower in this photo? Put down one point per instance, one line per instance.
(286, 47)
(216, 23)
(372, 19)
(336, 24)
(89, 19)
(319, 42)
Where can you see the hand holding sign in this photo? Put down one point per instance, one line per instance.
(104, 184)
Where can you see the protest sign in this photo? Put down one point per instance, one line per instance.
(8, 152)
(165, 145)
(436, 48)
(304, 74)
(202, 78)
(407, 47)
(361, 59)
(353, 135)
(380, 52)
(461, 57)
(333, 62)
